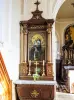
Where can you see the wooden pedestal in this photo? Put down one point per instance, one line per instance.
(24, 70)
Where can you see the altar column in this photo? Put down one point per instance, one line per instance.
(49, 44)
(49, 53)
(21, 44)
(23, 51)
(25, 43)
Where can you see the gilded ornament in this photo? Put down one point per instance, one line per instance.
(34, 94)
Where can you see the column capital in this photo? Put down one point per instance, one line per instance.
(21, 29)
(49, 28)
(25, 26)
(25, 29)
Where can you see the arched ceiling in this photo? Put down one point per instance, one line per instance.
(66, 10)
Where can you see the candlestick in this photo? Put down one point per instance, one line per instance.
(43, 68)
(30, 63)
(43, 62)
(29, 68)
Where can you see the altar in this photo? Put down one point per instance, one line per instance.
(35, 90)
(36, 80)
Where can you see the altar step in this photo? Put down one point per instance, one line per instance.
(64, 96)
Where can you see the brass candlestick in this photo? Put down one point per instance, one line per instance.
(29, 68)
(43, 74)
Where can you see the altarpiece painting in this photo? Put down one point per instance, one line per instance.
(36, 46)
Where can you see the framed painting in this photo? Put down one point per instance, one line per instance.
(36, 46)
(69, 34)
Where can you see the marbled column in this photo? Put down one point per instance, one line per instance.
(21, 44)
(25, 43)
(49, 47)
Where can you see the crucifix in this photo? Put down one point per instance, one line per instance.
(37, 3)
(36, 66)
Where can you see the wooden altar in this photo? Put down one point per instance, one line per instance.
(35, 90)
(36, 59)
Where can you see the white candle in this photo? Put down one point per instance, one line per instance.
(43, 62)
(30, 63)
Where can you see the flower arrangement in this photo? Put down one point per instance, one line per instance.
(36, 76)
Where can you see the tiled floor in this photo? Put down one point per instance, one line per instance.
(64, 96)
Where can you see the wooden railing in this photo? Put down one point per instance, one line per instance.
(5, 82)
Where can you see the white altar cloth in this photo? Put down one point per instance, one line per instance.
(35, 82)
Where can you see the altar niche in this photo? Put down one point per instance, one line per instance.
(36, 47)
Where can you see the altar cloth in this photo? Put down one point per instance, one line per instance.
(35, 82)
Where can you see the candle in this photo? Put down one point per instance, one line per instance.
(43, 62)
(30, 63)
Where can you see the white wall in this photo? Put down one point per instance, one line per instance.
(45, 6)
(10, 36)
(10, 16)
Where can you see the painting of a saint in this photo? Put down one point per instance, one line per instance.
(37, 50)
(69, 37)
(69, 33)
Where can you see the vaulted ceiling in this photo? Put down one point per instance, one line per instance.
(66, 10)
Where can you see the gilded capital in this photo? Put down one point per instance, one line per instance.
(25, 28)
(21, 29)
(49, 28)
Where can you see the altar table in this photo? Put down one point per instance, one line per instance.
(35, 90)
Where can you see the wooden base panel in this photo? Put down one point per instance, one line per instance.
(35, 92)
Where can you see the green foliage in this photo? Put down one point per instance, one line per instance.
(38, 70)
(36, 76)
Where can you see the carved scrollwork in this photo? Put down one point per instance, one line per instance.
(23, 69)
(37, 27)
(49, 70)
(25, 29)
(37, 17)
